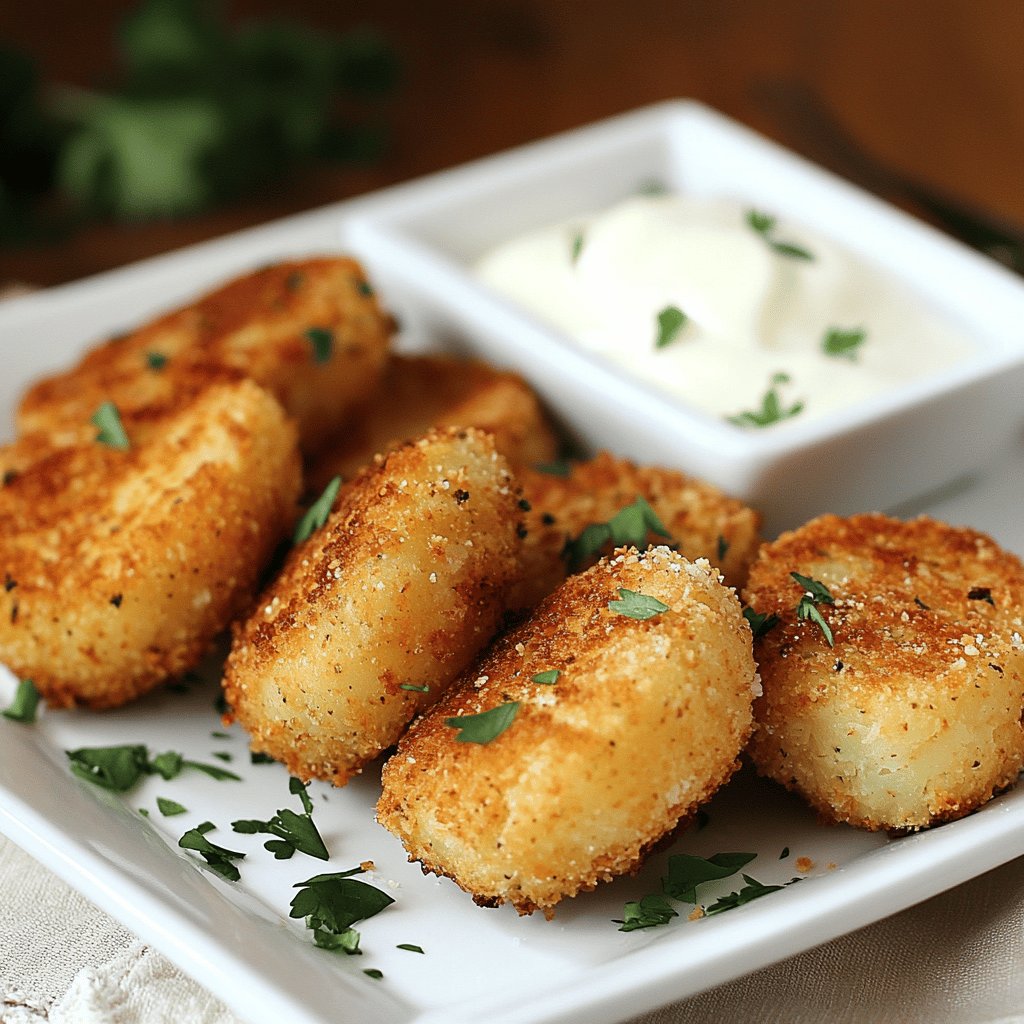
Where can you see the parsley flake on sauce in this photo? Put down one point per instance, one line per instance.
(636, 606)
(317, 513)
(772, 409)
(486, 726)
(25, 704)
(815, 593)
(764, 224)
(107, 420)
(671, 320)
(321, 339)
(843, 344)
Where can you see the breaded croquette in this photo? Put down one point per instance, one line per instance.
(375, 614)
(310, 331)
(699, 519)
(913, 717)
(620, 722)
(121, 566)
(424, 391)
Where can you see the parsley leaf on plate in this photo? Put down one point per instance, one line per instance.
(751, 891)
(671, 320)
(686, 872)
(25, 704)
(218, 858)
(843, 344)
(332, 903)
(647, 912)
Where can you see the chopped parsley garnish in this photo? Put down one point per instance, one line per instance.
(411, 947)
(647, 912)
(577, 246)
(843, 344)
(111, 430)
(671, 320)
(815, 593)
(218, 858)
(560, 467)
(686, 872)
(784, 854)
(114, 768)
(365, 289)
(322, 341)
(218, 735)
(26, 702)
(223, 755)
(751, 891)
(652, 187)
(156, 361)
(332, 903)
(629, 527)
(373, 972)
(760, 624)
(920, 604)
(258, 757)
(764, 224)
(772, 409)
(547, 678)
(169, 808)
(486, 726)
(317, 513)
(291, 831)
(423, 688)
(636, 606)
(981, 594)
(120, 768)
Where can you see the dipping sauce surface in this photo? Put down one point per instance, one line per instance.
(748, 319)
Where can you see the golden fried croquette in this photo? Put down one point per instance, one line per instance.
(310, 331)
(120, 567)
(913, 717)
(378, 611)
(420, 392)
(699, 519)
(644, 721)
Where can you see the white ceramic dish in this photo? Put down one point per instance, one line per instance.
(478, 964)
(907, 442)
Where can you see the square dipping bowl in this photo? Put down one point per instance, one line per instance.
(422, 240)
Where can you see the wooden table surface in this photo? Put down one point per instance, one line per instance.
(934, 88)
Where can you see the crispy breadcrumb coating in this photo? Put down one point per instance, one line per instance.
(120, 567)
(914, 716)
(644, 722)
(379, 610)
(259, 324)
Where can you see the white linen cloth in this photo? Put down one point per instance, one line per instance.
(955, 959)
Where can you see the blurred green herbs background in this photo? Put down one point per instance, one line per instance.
(200, 112)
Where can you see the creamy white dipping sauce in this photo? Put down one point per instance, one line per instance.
(752, 312)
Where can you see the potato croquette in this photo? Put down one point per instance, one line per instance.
(310, 331)
(699, 519)
(121, 567)
(914, 716)
(420, 392)
(641, 723)
(379, 610)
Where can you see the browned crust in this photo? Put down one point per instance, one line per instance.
(120, 568)
(640, 709)
(255, 324)
(423, 391)
(401, 587)
(927, 618)
(701, 520)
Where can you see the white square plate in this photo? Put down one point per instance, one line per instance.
(478, 964)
